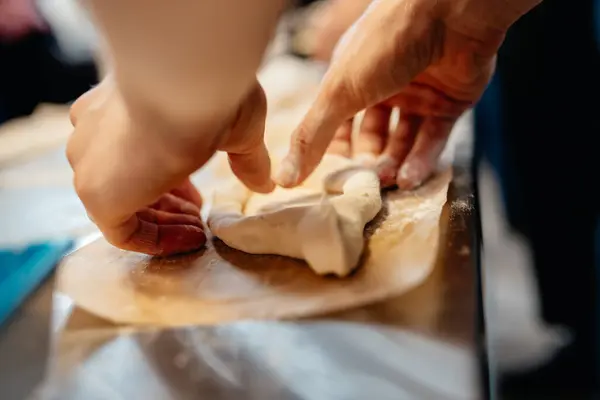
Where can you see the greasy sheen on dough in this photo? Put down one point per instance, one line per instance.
(321, 222)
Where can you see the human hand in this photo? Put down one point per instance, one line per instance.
(133, 176)
(430, 58)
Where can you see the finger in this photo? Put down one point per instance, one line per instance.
(143, 236)
(175, 204)
(399, 144)
(424, 100)
(373, 133)
(168, 218)
(342, 140)
(89, 100)
(84, 101)
(422, 160)
(188, 191)
(81, 104)
(370, 66)
(248, 155)
(253, 169)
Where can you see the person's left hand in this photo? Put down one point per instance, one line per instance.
(431, 59)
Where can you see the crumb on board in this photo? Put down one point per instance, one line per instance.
(461, 206)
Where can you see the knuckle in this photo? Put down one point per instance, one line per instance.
(259, 96)
(437, 103)
(344, 132)
(247, 134)
(79, 106)
(430, 96)
(83, 189)
(343, 94)
(417, 105)
(302, 140)
(440, 130)
(73, 114)
(71, 152)
(114, 240)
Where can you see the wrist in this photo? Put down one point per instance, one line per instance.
(180, 144)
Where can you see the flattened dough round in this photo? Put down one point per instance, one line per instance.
(220, 284)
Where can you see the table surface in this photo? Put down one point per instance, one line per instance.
(421, 345)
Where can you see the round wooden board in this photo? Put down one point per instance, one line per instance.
(220, 284)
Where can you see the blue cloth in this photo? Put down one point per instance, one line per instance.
(22, 270)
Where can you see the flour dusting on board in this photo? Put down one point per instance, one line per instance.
(461, 206)
(411, 207)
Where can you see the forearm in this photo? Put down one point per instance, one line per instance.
(185, 63)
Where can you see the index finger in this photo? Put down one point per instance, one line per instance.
(157, 233)
(385, 49)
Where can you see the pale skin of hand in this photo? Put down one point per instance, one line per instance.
(141, 198)
(430, 58)
(181, 86)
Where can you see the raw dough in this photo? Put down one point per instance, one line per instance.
(321, 222)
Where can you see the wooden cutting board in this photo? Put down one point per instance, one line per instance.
(220, 284)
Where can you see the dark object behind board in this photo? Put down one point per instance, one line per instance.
(538, 124)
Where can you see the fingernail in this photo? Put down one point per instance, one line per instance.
(194, 240)
(386, 168)
(384, 161)
(385, 165)
(287, 174)
(409, 176)
(405, 172)
(267, 187)
(366, 159)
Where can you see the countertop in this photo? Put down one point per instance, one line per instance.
(422, 345)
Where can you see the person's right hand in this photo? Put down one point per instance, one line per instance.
(132, 174)
(431, 58)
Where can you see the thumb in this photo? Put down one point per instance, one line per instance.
(379, 55)
(248, 156)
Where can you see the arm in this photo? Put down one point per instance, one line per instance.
(181, 85)
(185, 63)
